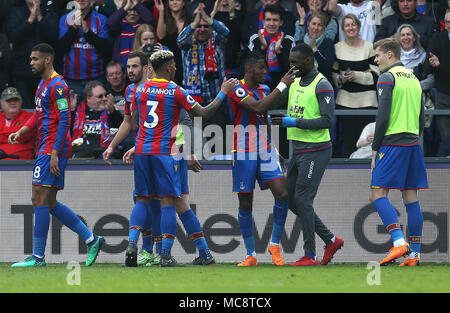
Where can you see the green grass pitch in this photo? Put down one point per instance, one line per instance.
(227, 278)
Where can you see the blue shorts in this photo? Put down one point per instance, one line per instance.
(399, 167)
(263, 166)
(184, 176)
(156, 175)
(42, 175)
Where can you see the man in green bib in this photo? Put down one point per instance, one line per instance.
(310, 114)
(397, 158)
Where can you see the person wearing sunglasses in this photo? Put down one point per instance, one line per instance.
(93, 122)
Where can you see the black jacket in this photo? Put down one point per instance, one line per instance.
(25, 36)
(440, 47)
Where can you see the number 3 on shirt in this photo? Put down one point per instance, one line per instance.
(152, 117)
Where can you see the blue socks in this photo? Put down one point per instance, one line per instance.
(280, 210)
(156, 227)
(195, 232)
(168, 229)
(137, 221)
(415, 225)
(147, 233)
(389, 218)
(72, 221)
(245, 219)
(41, 226)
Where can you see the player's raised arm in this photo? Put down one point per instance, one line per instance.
(264, 104)
(208, 111)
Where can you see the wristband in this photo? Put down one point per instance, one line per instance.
(281, 86)
(221, 95)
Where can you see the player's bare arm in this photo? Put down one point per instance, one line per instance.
(207, 112)
(122, 133)
(260, 106)
(54, 167)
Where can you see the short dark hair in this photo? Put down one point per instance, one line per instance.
(44, 48)
(274, 9)
(143, 57)
(304, 49)
(253, 57)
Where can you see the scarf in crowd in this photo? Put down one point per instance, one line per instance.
(127, 34)
(261, 18)
(80, 121)
(193, 85)
(271, 55)
(412, 58)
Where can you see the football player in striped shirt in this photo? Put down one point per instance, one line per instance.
(52, 119)
(254, 158)
(155, 114)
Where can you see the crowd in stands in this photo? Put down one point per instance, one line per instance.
(209, 38)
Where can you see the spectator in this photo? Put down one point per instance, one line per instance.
(413, 55)
(445, 5)
(322, 46)
(5, 62)
(364, 143)
(84, 45)
(29, 24)
(231, 13)
(274, 44)
(433, 9)
(94, 120)
(253, 21)
(355, 75)
(146, 39)
(440, 61)
(205, 70)
(123, 24)
(173, 18)
(116, 84)
(301, 25)
(423, 24)
(203, 48)
(12, 118)
(367, 12)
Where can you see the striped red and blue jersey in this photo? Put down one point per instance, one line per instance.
(52, 116)
(250, 129)
(129, 95)
(83, 61)
(158, 103)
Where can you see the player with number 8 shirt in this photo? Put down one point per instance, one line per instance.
(52, 119)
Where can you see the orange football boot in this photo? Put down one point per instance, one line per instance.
(411, 262)
(395, 253)
(277, 258)
(249, 261)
